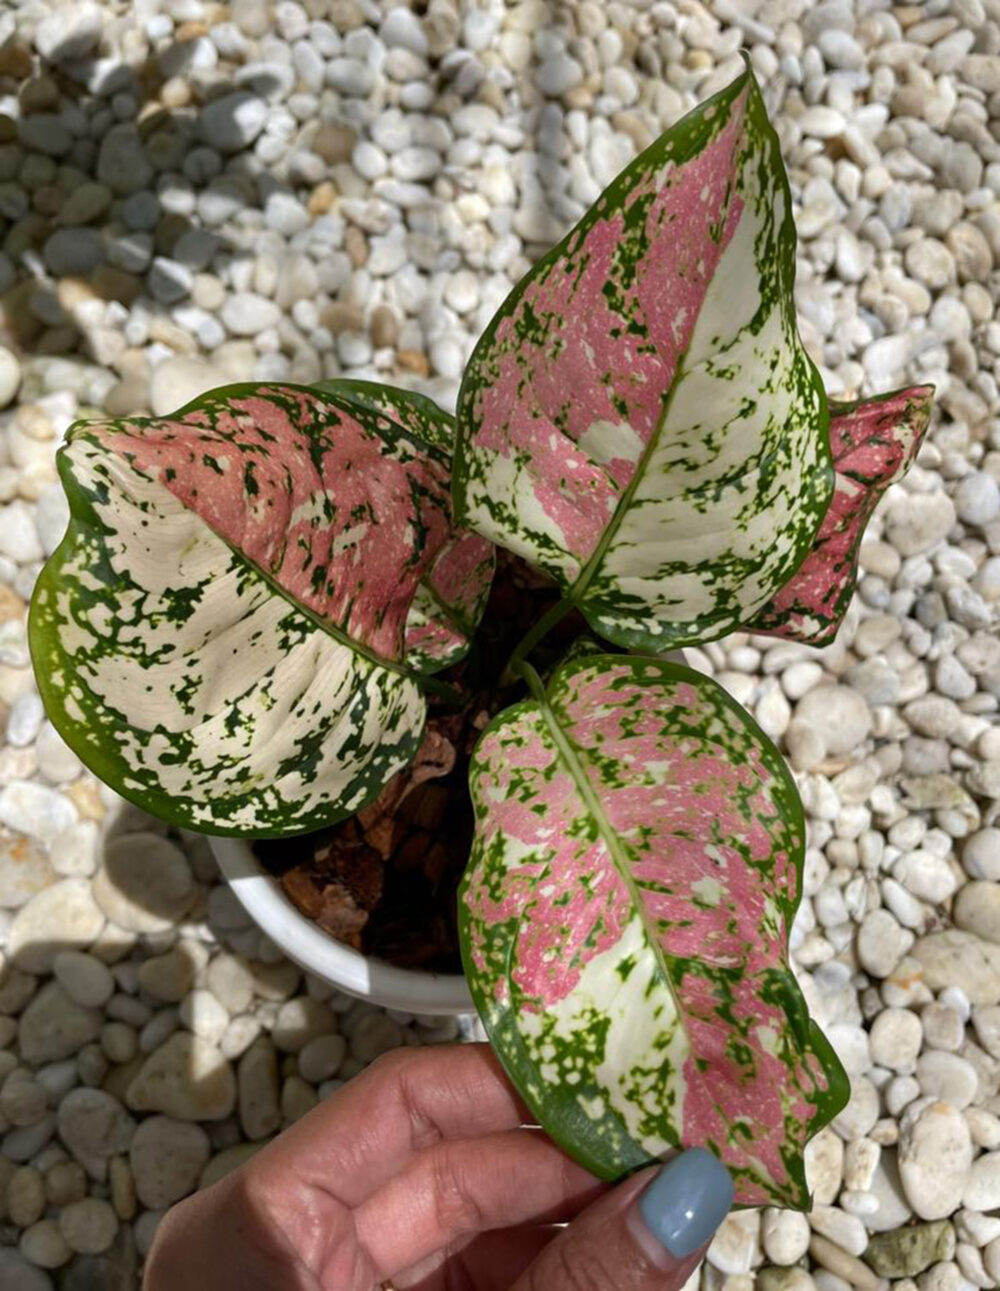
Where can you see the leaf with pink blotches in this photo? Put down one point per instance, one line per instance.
(636, 867)
(221, 635)
(874, 442)
(451, 597)
(640, 419)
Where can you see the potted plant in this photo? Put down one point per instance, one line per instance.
(273, 610)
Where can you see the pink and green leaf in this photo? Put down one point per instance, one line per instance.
(874, 442)
(452, 596)
(640, 420)
(636, 867)
(221, 634)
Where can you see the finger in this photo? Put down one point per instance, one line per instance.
(647, 1235)
(354, 1142)
(465, 1186)
(488, 1262)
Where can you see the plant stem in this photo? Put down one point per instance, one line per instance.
(532, 638)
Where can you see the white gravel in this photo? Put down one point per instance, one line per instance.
(344, 185)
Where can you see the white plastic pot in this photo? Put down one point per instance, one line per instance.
(309, 946)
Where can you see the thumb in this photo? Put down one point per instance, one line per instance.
(646, 1235)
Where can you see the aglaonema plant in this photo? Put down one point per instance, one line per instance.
(242, 627)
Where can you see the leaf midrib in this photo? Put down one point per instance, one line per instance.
(568, 751)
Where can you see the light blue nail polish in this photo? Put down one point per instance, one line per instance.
(687, 1201)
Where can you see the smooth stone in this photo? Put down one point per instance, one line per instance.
(977, 498)
(145, 884)
(186, 1078)
(977, 910)
(247, 314)
(784, 1235)
(735, 1248)
(259, 1093)
(35, 810)
(881, 943)
(935, 1159)
(10, 376)
(123, 163)
(177, 381)
(232, 122)
(957, 958)
(69, 32)
(94, 1126)
(167, 1157)
(909, 1251)
(824, 1163)
(839, 714)
(25, 870)
(53, 1026)
(948, 1077)
(73, 252)
(919, 521)
(88, 1226)
(61, 917)
(982, 1192)
(84, 978)
(168, 977)
(228, 1160)
(893, 1209)
(303, 1018)
(18, 1275)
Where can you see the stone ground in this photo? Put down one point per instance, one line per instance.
(192, 193)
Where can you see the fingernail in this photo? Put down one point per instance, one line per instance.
(687, 1201)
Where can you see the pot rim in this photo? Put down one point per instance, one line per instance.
(406, 989)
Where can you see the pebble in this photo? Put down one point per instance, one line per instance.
(909, 1251)
(89, 1226)
(20, 1275)
(320, 1058)
(94, 1126)
(186, 1078)
(977, 910)
(948, 1077)
(233, 121)
(981, 854)
(145, 884)
(982, 1192)
(882, 943)
(10, 376)
(956, 958)
(167, 1157)
(839, 715)
(919, 522)
(977, 498)
(935, 1159)
(84, 978)
(259, 1094)
(60, 917)
(247, 314)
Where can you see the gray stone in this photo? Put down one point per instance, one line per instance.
(53, 1026)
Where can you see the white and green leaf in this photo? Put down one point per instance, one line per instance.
(640, 420)
(221, 634)
(636, 867)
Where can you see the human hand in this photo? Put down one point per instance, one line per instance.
(422, 1174)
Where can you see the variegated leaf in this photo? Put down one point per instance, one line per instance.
(636, 867)
(220, 636)
(451, 599)
(640, 419)
(874, 442)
